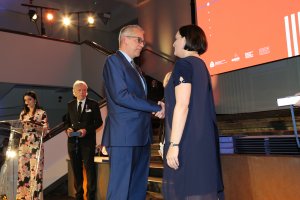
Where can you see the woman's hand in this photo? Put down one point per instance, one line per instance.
(172, 157)
(45, 128)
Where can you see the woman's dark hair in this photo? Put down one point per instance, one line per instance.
(195, 38)
(33, 95)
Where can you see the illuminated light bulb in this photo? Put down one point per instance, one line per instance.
(66, 21)
(11, 153)
(50, 16)
(91, 20)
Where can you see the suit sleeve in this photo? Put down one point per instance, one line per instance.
(97, 120)
(67, 120)
(115, 84)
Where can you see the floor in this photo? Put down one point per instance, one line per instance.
(61, 193)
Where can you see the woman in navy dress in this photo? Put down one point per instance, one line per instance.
(192, 161)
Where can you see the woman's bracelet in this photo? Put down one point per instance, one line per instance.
(172, 144)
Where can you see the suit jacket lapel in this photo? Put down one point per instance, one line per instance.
(138, 75)
(84, 107)
(75, 110)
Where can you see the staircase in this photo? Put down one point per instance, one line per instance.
(155, 174)
(154, 191)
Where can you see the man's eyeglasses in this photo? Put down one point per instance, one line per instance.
(139, 39)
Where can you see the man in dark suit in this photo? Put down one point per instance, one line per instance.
(83, 118)
(127, 133)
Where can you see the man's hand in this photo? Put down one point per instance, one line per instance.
(83, 132)
(68, 131)
(161, 114)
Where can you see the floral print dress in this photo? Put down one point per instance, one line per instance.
(31, 157)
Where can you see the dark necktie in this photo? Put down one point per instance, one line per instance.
(79, 108)
(140, 75)
(135, 67)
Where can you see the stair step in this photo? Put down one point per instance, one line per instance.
(156, 165)
(154, 184)
(155, 179)
(155, 153)
(156, 169)
(155, 146)
(155, 195)
(155, 159)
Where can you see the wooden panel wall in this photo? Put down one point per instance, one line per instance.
(249, 177)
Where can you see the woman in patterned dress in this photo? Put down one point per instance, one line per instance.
(31, 151)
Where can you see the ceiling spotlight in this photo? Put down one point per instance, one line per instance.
(66, 21)
(49, 16)
(32, 15)
(91, 21)
(105, 17)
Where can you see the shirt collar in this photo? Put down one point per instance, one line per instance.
(83, 102)
(126, 56)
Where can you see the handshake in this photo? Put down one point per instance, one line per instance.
(160, 114)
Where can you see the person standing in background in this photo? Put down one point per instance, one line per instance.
(82, 120)
(128, 128)
(192, 167)
(31, 150)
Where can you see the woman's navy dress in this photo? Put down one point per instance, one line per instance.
(199, 175)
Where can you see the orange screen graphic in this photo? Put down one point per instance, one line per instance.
(244, 33)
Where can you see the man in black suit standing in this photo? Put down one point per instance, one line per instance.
(83, 118)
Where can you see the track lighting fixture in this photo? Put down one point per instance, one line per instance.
(32, 15)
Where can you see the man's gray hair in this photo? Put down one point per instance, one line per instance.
(127, 30)
(78, 82)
